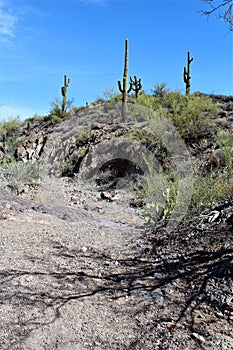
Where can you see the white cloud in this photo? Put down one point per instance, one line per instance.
(7, 112)
(94, 2)
(8, 22)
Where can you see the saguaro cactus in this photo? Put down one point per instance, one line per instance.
(64, 92)
(123, 89)
(186, 74)
(136, 85)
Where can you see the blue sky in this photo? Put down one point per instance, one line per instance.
(41, 40)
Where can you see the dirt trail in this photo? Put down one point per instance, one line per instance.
(77, 273)
(56, 266)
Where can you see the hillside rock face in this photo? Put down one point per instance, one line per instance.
(31, 149)
(92, 137)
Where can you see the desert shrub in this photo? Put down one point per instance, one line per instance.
(19, 174)
(160, 194)
(160, 90)
(10, 126)
(209, 190)
(225, 141)
(11, 131)
(56, 114)
(191, 115)
(111, 95)
(82, 151)
(146, 100)
(84, 134)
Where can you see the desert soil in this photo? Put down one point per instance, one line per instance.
(81, 272)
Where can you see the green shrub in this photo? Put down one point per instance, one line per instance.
(191, 115)
(11, 130)
(19, 174)
(10, 126)
(83, 135)
(225, 141)
(160, 90)
(209, 190)
(110, 95)
(160, 193)
(146, 100)
(56, 114)
(82, 151)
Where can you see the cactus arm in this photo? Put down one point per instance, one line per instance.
(119, 86)
(136, 85)
(130, 88)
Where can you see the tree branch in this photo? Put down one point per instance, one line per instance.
(226, 14)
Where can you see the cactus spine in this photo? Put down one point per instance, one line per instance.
(64, 92)
(123, 89)
(186, 74)
(136, 85)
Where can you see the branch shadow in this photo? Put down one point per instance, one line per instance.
(38, 297)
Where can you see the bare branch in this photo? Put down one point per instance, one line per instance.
(225, 8)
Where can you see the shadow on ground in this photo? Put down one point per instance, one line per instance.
(174, 288)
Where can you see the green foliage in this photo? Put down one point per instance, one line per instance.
(160, 90)
(66, 168)
(160, 193)
(56, 113)
(82, 151)
(8, 160)
(189, 114)
(83, 135)
(209, 190)
(225, 141)
(111, 95)
(146, 100)
(10, 126)
(10, 131)
(19, 174)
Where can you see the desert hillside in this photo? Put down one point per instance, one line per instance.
(118, 234)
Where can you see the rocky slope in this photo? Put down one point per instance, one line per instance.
(81, 269)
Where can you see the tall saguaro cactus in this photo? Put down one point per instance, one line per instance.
(187, 75)
(64, 92)
(136, 85)
(124, 88)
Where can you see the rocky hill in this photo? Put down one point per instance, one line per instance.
(85, 261)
